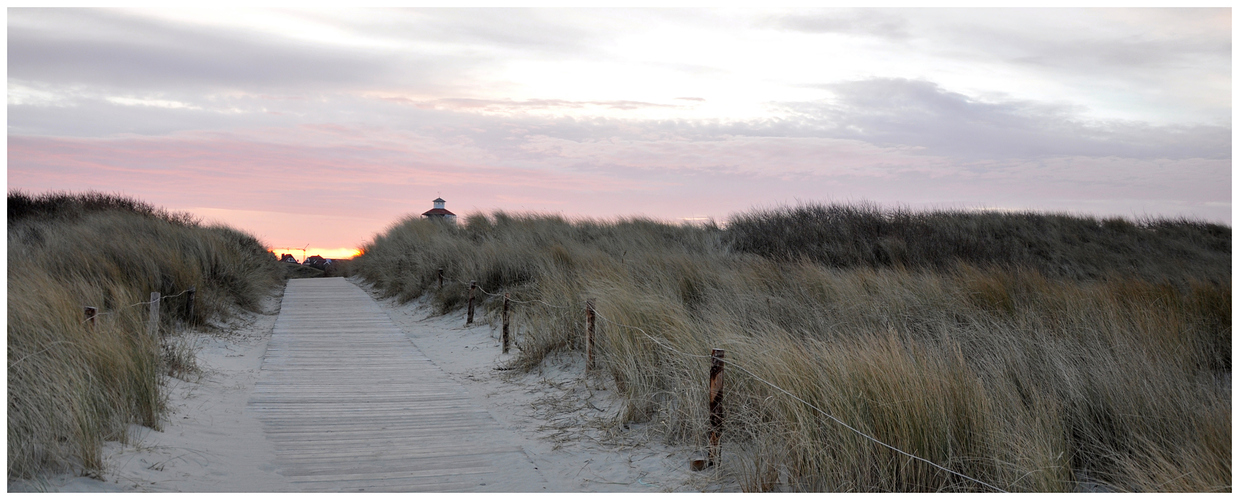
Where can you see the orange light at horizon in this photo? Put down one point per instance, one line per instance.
(326, 253)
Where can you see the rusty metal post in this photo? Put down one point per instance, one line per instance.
(589, 334)
(472, 285)
(152, 325)
(440, 278)
(506, 297)
(91, 312)
(716, 404)
(189, 304)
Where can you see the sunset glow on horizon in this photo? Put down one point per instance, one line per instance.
(324, 128)
(326, 253)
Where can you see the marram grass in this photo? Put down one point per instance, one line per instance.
(72, 385)
(1043, 369)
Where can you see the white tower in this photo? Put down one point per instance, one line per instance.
(439, 212)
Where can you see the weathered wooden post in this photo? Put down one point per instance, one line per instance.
(716, 404)
(506, 298)
(91, 312)
(152, 326)
(589, 334)
(440, 278)
(189, 304)
(472, 285)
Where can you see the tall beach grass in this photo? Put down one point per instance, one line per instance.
(72, 385)
(1034, 352)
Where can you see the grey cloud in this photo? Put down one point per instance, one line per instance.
(509, 104)
(528, 31)
(154, 55)
(886, 112)
(1131, 56)
(99, 118)
(512, 28)
(877, 23)
(556, 34)
(1174, 60)
(1167, 58)
(910, 113)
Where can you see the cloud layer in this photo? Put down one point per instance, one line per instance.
(360, 117)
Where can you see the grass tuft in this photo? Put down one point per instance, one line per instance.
(72, 385)
(1035, 352)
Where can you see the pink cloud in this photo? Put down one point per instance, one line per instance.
(335, 185)
(776, 156)
(298, 185)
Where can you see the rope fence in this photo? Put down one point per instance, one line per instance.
(153, 319)
(45, 349)
(93, 313)
(514, 300)
(715, 385)
(810, 405)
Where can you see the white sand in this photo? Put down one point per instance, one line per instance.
(564, 422)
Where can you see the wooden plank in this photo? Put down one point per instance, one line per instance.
(344, 397)
(321, 434)
(480, 466)
(385, 456)
(388, 455)
(412, 478)
(350, 404)
(345, 418)
(340, 424)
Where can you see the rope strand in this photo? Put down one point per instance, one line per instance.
(810, 405)
(764, 381)
(511, 299)
(857, 431)
(148, 302)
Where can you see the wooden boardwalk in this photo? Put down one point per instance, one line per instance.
(350, 404)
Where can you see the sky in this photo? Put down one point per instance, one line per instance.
(325, 127)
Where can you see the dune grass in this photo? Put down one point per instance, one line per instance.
(72, 385)
(1053, 244)
(1078, 353)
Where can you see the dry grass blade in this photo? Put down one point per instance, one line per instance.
(1031, 352)
(74, 383)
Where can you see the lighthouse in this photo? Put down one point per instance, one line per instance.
(439, 213)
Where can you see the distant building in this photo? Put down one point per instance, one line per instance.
(317, 262)
(439, 213)
(288, 258)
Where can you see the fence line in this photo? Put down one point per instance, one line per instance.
(160, 298)
(810, 405)
(97, 314)
(780, 389)
(145, 302)
(45, 349)
(514, 300)
(484, 290)
(538, 300)
(93, 313)
(861, 433)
